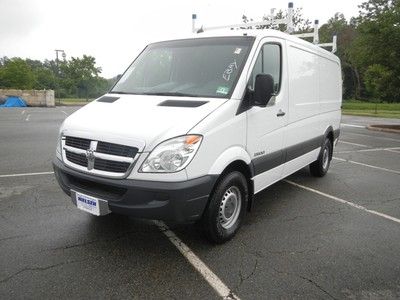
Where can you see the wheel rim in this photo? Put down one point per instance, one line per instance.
(229, 209)
(325, 158)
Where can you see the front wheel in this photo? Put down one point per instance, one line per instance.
(320, 167)
(226, 208)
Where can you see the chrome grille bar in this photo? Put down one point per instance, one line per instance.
(98, 157)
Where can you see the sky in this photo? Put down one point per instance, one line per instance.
(115, 31)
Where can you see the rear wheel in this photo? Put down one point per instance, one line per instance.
(321, 166)
(226, 208)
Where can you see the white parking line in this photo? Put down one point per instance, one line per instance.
(197, 263)
(25, 174)
(366, 165)
(64, 113)
(354, 144)
(374, 136)
(27, 117)
(22, 112)
(345, 202)
(392, 149)
(353, 125)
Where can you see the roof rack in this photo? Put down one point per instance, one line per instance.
(288, 21)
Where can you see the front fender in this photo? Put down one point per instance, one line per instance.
(230, 155)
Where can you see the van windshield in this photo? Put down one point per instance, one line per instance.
(203, 67)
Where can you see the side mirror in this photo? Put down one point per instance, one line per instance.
(263, 89)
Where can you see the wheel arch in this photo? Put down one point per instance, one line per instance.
(329, 134)
(235, 159)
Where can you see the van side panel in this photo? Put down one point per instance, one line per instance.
(303, 83)
(304, 123)
(330, 85)
(314, 104)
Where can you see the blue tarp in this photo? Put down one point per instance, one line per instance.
(13, 101)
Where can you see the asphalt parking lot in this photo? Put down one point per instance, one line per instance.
(333, 237)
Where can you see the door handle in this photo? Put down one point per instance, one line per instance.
(280, 113)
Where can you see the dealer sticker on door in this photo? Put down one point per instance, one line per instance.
(87, 203)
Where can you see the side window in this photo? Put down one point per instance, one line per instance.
(272, 63)
(268, 62)
(256, 70)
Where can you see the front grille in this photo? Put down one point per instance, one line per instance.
(110, 165)
(77, 142)
(79, 159)
(87, 153)
(115, 149)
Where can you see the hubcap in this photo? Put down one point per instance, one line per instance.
(230, 206)
(325, 158)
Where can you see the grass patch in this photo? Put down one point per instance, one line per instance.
(72, 101)
(382, 110)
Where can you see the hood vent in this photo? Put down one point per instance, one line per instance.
(107, 99)
(182, 103)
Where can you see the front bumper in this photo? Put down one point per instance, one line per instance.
(170, 201)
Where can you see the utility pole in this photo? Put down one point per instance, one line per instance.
(58, 70)
(63, 55)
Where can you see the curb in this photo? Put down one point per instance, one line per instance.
(385, 128)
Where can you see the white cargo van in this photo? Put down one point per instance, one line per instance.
(196, 127)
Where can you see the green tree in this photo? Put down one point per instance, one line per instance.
(44, 75)
(45, 79)
(377, 43)
(377, 80)
(345, 32)
(3, 61)
(101, 85)
(16, 73)
(80, 76)
(77, 77)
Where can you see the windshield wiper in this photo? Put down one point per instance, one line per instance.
(122, 93)
(178, 94)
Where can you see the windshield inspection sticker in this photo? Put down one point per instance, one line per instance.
(222, 90)
(238, 50)
(229, 70)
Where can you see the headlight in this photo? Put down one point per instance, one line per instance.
(58, 148)
(172, 155)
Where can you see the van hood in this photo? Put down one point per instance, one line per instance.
(142, 121)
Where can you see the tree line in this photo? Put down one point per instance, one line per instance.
(72, 78)
(368, 46)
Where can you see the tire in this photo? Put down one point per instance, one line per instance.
(226, 208)
(321, 166)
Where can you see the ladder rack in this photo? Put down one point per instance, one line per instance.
(288, 21)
